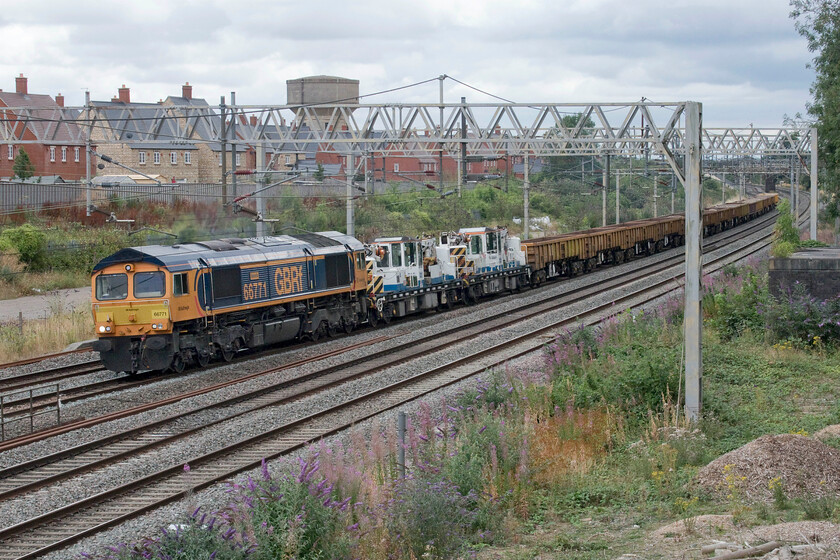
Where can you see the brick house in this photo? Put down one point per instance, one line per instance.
(168, 155)
(58, 151)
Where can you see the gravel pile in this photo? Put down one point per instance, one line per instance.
(804, 467)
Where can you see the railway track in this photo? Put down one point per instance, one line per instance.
(26, 540)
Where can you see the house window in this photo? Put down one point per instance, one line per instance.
(173, 158)
(220, 160)
(11, 152)
(52, 153)
(238, 160)
(64, 154)
(288, 160)
(142, 159)
(187, 158)
(76, 155)
(396, 168)
(157, 158)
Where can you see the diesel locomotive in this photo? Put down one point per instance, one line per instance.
(164, 307)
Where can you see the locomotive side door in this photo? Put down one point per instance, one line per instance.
(204, 286)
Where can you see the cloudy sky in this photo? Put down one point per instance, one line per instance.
(741, 58)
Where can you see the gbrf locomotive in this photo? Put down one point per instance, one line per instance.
(159, 307)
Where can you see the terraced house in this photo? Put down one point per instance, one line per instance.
(57, 151)
(168, 155)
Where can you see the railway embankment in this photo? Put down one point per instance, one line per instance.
(580, 452)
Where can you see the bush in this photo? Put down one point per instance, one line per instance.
(802, 318)
(30, 243)
(736, 308)
(294, 516)
(431, 518)
(199, 536)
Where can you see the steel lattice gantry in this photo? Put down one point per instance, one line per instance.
(673, 130)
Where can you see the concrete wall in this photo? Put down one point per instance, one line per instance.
(817, 270)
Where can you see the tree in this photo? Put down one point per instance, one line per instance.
(22, 166)
(819, 22)
(319, 173)
(560, 167)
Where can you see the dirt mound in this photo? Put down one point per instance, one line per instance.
(828, 432)
(823, 532)
(803, 466)
(704, 525)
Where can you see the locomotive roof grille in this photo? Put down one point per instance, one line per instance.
(231, 251)
(317, 240)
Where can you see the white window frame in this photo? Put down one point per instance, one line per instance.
(52, 153)
(173, 158)
(238, 160)
(64, 154)
(220, 159)
(396, 168)
(157, 158)
(141, 158)
(288, 160)
(76, 154)
(11, 151)
(187, 158)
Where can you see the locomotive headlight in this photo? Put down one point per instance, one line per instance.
(102, 328)
(108, 328)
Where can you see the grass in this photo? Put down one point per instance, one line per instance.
(34, 283)
(44, 336)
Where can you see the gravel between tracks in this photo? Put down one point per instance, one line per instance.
(64, 493)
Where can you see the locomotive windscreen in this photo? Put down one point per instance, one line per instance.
(226, 282)
(337, 269)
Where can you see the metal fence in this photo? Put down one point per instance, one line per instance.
(20, 407)
(35, 196)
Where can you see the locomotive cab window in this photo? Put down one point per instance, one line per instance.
(476, 245)
(396, 255)
(179, 284)
(111, 286)
(410, 254)
(493, 242)
(149, 284)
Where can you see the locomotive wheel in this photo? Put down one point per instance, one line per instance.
(178, 363)
(227, 355)
(202, 359)
(318, 332)
(331, 330)
(469, 297)
(346, 326)
(387, 314)
(373, 319)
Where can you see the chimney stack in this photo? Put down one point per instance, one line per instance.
(59, 100)
(186, 91)
(20, 85)
(125, 94)
(254, 120)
